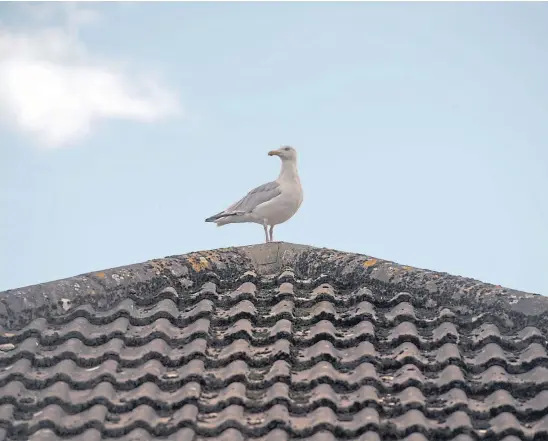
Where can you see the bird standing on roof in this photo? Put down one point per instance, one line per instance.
(270, 204)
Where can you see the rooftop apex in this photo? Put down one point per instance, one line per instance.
(101, 289)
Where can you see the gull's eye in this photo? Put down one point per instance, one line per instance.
(286, 149)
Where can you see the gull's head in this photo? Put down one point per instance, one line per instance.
(286, 153)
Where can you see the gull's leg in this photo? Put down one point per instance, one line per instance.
(271, 233)
(266, 231)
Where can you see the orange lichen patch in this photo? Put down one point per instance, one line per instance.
(212, 256)
(370, 262)
(101, 275)
(198, 263)
(407, 268)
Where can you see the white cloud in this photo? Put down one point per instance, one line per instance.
(54, 89)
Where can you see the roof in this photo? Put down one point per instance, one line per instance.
(272, 342)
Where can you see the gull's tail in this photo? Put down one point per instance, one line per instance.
(215, 218)
(224, 218)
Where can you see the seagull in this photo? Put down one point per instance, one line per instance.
(270, 204)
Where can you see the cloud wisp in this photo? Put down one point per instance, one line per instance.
(52, 88)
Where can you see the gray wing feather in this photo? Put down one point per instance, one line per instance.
(256, 197)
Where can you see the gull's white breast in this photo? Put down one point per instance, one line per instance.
(283, 207)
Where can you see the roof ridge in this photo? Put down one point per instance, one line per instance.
(104, 288)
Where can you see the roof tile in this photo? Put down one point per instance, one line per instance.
(227, 353)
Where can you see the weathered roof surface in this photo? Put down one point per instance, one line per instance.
(272, 342)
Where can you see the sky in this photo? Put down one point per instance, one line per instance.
(421, 130)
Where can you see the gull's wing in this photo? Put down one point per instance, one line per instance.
(256, 197)
(249, 202)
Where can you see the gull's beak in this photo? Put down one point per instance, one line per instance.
(273, 153)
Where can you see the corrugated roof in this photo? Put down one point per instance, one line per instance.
(274, 342)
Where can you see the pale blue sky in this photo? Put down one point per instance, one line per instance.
(422, 132)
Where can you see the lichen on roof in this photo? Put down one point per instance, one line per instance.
(102, 289)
